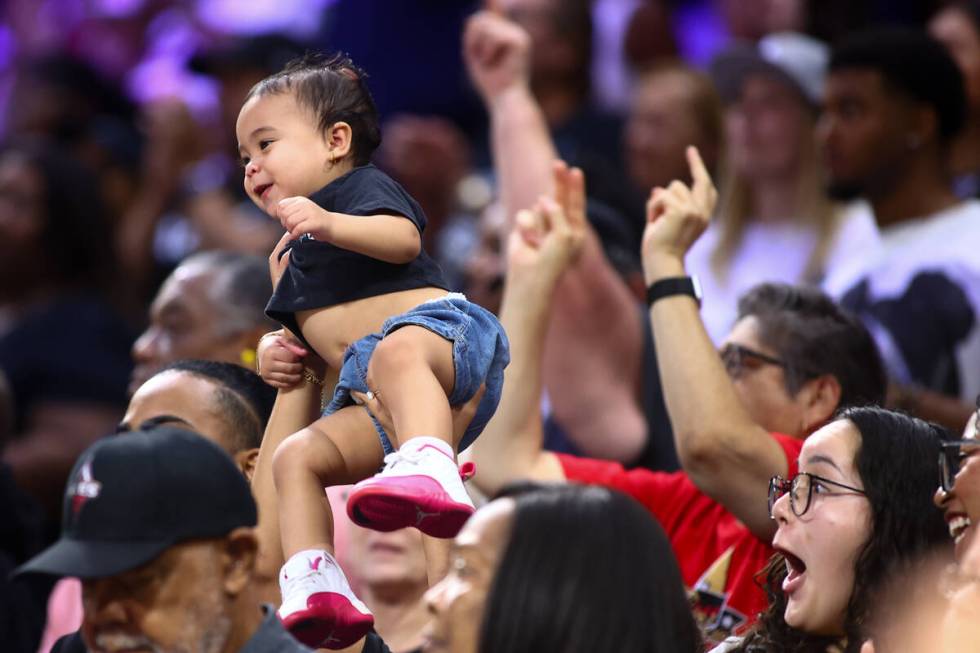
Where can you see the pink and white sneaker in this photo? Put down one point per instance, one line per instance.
(318, 606)
(420, 486)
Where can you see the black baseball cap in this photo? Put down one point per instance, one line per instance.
(133, 495)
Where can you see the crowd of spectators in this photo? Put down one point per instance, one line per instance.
(732, 245)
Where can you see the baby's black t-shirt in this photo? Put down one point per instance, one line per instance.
(320, 274)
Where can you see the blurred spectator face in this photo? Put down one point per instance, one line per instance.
(765, 129)
(761, 385)
(957, 32)
(661, 124)
(554, 56)
(863, 131)
(484, 270)
(753, 19)
(185, 322)
(21, 218)
(174, 603)
(428, 155)
(961, 506)
(388, 563)
(457, 602)
(822, 545)
(234, 86)
(36, 107)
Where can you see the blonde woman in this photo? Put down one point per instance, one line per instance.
(774, 221)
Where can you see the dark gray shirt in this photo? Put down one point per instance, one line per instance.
(272, 637)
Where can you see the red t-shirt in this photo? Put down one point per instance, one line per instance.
(718, 555)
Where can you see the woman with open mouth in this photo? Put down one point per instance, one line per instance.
(856, 516)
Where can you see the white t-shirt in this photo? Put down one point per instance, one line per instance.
(918, 291)
(771, 251)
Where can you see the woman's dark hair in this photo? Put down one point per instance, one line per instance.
(333, 88)
(586, 570)
(809, 331)
(897, 464)
(75, 237)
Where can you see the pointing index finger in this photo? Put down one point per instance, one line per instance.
(702, 187)
(699, 173)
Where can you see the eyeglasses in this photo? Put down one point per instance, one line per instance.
(800, 489)
(735, 356)
(951, 456)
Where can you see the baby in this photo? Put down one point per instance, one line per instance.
(361, 292)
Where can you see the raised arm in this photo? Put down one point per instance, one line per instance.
(297, 406)
(727, 455)
(390, 238)
(540, 248)
(497, 55)
(594, 346)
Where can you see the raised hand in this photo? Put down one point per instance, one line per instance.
(549, 236)
(497, 54)
(678, 215)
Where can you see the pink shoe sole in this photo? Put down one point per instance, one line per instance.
(329, 621)
(392, 503)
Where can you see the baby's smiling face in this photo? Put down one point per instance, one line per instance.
(282, 150)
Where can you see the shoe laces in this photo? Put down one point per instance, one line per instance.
(308, 582)
(396, 458)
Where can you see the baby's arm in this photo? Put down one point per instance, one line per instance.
(389, 238)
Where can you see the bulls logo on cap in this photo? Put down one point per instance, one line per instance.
(83, 487)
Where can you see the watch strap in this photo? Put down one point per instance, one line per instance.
(671, 286)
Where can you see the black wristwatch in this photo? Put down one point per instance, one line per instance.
(674, 286)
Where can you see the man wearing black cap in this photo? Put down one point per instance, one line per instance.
(159, 525)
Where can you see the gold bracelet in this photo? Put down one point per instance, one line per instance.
(310, 377)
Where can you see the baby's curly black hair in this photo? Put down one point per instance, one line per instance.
(334, 89)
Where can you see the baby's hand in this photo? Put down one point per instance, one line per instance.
(280, 360)
(300, 215)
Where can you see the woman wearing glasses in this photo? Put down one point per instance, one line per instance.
(856, 515)
(930, 623)
(959, 493)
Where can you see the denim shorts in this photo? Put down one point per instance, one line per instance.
(480, 354)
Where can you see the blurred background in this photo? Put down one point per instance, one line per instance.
(119, 162)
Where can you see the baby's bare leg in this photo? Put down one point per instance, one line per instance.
(412, 370)
(335, 450)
